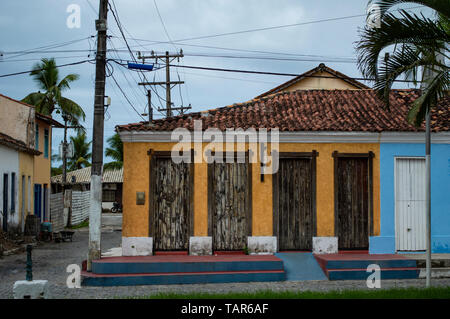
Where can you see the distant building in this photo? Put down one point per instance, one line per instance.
(25, 137)
(42, 164)
(80, 180)
(321, 77)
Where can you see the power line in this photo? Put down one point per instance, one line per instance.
(238, 50)
(270, 58)
(119, 25)
(39, 59)
(44, 49)
(126, 97)
(278, 26)
(276, 73)
(57, 66)
(167, 62)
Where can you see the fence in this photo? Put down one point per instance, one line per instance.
(78, 204)
(57, 211)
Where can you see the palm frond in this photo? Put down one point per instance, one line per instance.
(113, 165)
(409, 29)
(435, 88)
(440, 6)
(115, 149)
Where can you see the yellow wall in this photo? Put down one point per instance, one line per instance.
(42, 165)
(26, 168)
(136, 178)
(325, 83)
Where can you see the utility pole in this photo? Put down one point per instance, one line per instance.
(168, 97)
(167, 83)
(64, 155)
(97, 138)
(150, 109)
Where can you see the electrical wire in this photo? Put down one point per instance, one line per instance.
(278, 26)
(126, 97)
(277, 73)
(57, 66)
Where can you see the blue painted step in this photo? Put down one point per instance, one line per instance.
(362, 274)
(363, 264)
(185, 265)
(90, 279)
(301, 266)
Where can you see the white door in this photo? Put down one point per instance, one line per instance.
(410, 216)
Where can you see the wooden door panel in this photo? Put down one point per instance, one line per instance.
(229, 205)
(172, 195)
(294, 182)
(352, 203)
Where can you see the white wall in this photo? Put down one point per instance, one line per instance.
(9, 163)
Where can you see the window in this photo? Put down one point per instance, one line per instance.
(108, 196)
(13, 192)
(36, 139)
(46, 143)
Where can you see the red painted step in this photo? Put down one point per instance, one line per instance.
(172, 253)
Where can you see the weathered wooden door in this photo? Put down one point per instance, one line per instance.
(294, 202)
(353, 201)
(171, 203)
(229, 201)
(410, 206)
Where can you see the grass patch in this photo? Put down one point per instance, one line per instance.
(395, 293)
(84, 223)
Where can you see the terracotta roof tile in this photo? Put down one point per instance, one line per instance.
(18, 145)
(310, 110)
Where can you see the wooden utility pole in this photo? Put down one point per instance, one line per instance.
(97, 138)
(168, 84)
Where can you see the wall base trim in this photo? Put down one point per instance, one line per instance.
(262, 245)
(137, 246)
(200, 245)
(325, 245)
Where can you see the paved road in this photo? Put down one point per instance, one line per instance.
(50, 261)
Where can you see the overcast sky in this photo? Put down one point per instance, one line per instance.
(31, 24)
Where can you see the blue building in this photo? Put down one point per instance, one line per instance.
(402, 194)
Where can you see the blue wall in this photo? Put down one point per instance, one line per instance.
(440, 196)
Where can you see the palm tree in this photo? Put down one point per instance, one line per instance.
(56, 170)
(115, 151)
(46, 76)
(81, 154)
(418, 42)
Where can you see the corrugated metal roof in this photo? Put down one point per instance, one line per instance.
(83, 176)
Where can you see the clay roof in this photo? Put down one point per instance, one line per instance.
(310, 110)
(83, 176)
(320, 68)
(18, 145)
(48, 119)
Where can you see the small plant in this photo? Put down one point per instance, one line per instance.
(84, 223)
(246, 251)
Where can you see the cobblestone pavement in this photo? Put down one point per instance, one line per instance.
(50, 261)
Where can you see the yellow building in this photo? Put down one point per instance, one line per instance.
(24, 163)
(16, 162)
(299, 171)
(42, 164)
(324, 193)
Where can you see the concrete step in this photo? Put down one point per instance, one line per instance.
(91, 279)
(363, 264)
(362, 261)
(185, 264)
(435, 273)
(362, 274)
